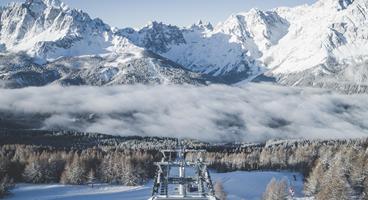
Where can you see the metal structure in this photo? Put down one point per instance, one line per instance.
(173, 181)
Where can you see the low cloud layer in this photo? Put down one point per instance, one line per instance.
(213, 113)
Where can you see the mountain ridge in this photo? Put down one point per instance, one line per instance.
(53, 40)
(321, 45)
(318, 45)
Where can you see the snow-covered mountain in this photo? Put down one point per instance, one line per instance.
(198, 48)
(326, 46)
(21, 70)
(48, 29)
(44, 41)
(322, 45)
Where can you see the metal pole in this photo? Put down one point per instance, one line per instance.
(182, 188)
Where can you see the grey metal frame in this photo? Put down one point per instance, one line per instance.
(201, 179)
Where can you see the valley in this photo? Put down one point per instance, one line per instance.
(275, 100)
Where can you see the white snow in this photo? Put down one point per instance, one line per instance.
(318, 32)
(325, 35)
(329, 33)
(238, 185)
(251, 185)
(66, 192)
(57, 31)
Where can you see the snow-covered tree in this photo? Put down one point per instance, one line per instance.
(276, 190)
(75, 172)
(313, 183)
(107, 170)
(5, 185)
(335, 184)
(91, 177)
(219, 191)
(35, 171)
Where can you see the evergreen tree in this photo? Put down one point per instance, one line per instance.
(313, 182)
(91, 177)
(35, 171)
(5, 185)
(106, 170)
(219, 191)
(335, 184)
(75, 172)
(276, 190)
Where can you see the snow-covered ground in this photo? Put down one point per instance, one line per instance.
(70, 192)
(238, 185)
(251, 185)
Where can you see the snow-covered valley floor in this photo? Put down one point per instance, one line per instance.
(238, 185)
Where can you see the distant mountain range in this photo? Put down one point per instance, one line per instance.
(323, 45)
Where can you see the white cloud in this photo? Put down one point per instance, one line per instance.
(214, 113)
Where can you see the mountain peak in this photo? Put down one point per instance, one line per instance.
(47, 3)
(255, 11)
(201, 25)
(37, 7)
(335, 4)
(155, 24)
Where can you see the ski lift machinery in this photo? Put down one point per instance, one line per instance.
(173, 183)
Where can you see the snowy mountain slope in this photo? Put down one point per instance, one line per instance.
(321, 45)
(212, 53)
(256, 30)
(48, 29)
(19, 70)
(155, 36)
(326, 45)
(52, 43)
(230, 50)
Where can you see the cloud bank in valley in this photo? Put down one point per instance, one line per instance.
(255, 112)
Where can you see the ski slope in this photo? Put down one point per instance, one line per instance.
(251, 185)
(238, 185)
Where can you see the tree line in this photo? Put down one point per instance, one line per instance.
(332, 168)
(31, 164)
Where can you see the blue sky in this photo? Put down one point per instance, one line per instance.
(136, 13)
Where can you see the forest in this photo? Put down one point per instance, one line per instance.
(333, 169)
